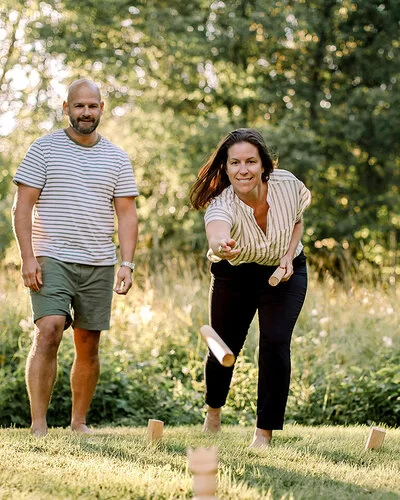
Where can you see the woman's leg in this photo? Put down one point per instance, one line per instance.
(278, 311)
(232, 308)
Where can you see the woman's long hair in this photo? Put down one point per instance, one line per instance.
(213, 179)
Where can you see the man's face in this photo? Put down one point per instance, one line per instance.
(84, 109)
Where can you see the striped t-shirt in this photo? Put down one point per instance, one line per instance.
(287, 198)
(74, 214)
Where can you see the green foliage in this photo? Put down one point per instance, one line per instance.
(345, 355)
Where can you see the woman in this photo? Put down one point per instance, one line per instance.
(253, 224)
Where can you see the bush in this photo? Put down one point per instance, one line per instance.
(345, 363)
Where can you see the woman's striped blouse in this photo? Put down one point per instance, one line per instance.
(287, 198)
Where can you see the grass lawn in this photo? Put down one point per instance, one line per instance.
(119, 463)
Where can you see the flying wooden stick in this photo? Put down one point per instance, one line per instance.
(217, 346)
(276, 276)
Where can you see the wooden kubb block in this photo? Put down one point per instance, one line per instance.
(155, 429)
(203, 465)
(375, 438)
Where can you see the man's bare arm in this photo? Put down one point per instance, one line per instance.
(125, 208)
(24, 202)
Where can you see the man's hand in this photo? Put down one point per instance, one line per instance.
(32, 274)
(124, 281)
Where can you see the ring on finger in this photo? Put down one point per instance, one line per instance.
(220, 249)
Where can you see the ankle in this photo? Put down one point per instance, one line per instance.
(213, 411)
(263, 433)
(212, 422)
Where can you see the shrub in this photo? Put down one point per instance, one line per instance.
(345, 363)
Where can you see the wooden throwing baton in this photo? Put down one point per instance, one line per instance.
(276, 276)
(217, 346)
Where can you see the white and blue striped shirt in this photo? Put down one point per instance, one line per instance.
(287, 199)
(74, 214)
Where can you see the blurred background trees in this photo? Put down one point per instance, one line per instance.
(319, 79)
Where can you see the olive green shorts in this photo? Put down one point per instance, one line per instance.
(81, 293)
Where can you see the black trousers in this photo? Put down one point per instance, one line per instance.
(236, 293)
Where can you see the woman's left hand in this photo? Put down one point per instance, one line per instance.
(286, 262)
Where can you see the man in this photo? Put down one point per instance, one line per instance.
(73, 181)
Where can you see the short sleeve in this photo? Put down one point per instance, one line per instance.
(304, 201)
(217, 210)
(32, 170)
(126, 183)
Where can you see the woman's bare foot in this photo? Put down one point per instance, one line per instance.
(212, 423)
(81, 429)
(261, 439)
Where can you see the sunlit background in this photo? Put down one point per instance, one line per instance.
(320, 80)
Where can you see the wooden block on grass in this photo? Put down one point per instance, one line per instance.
(375, 438)
(155, 429)
(203, 465)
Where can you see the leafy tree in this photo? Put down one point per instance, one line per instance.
(319, 79)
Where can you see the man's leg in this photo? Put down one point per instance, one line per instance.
(41, 369)
(84, 376)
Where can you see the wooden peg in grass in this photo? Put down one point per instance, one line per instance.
(203, 465)
(375, 438)
(155, 429)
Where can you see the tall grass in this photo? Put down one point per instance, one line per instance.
(345, 353)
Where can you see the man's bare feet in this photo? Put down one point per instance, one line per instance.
(39, 431)
(81, 429)
(212, 423)
(261, 439)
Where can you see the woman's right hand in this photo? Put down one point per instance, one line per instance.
(225, 249)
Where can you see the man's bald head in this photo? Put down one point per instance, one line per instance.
(84, 108)
(82, 82)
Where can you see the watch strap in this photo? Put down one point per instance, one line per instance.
(126, 263)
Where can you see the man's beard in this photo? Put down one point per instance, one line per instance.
(85, 129)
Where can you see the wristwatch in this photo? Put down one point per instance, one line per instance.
(126, 263)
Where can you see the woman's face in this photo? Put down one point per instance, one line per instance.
(244, 168)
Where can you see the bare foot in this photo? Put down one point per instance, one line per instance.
(39, 431)
(81, 429)
(212, 423)
(261, 439)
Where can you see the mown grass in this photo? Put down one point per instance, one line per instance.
(119, 463)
